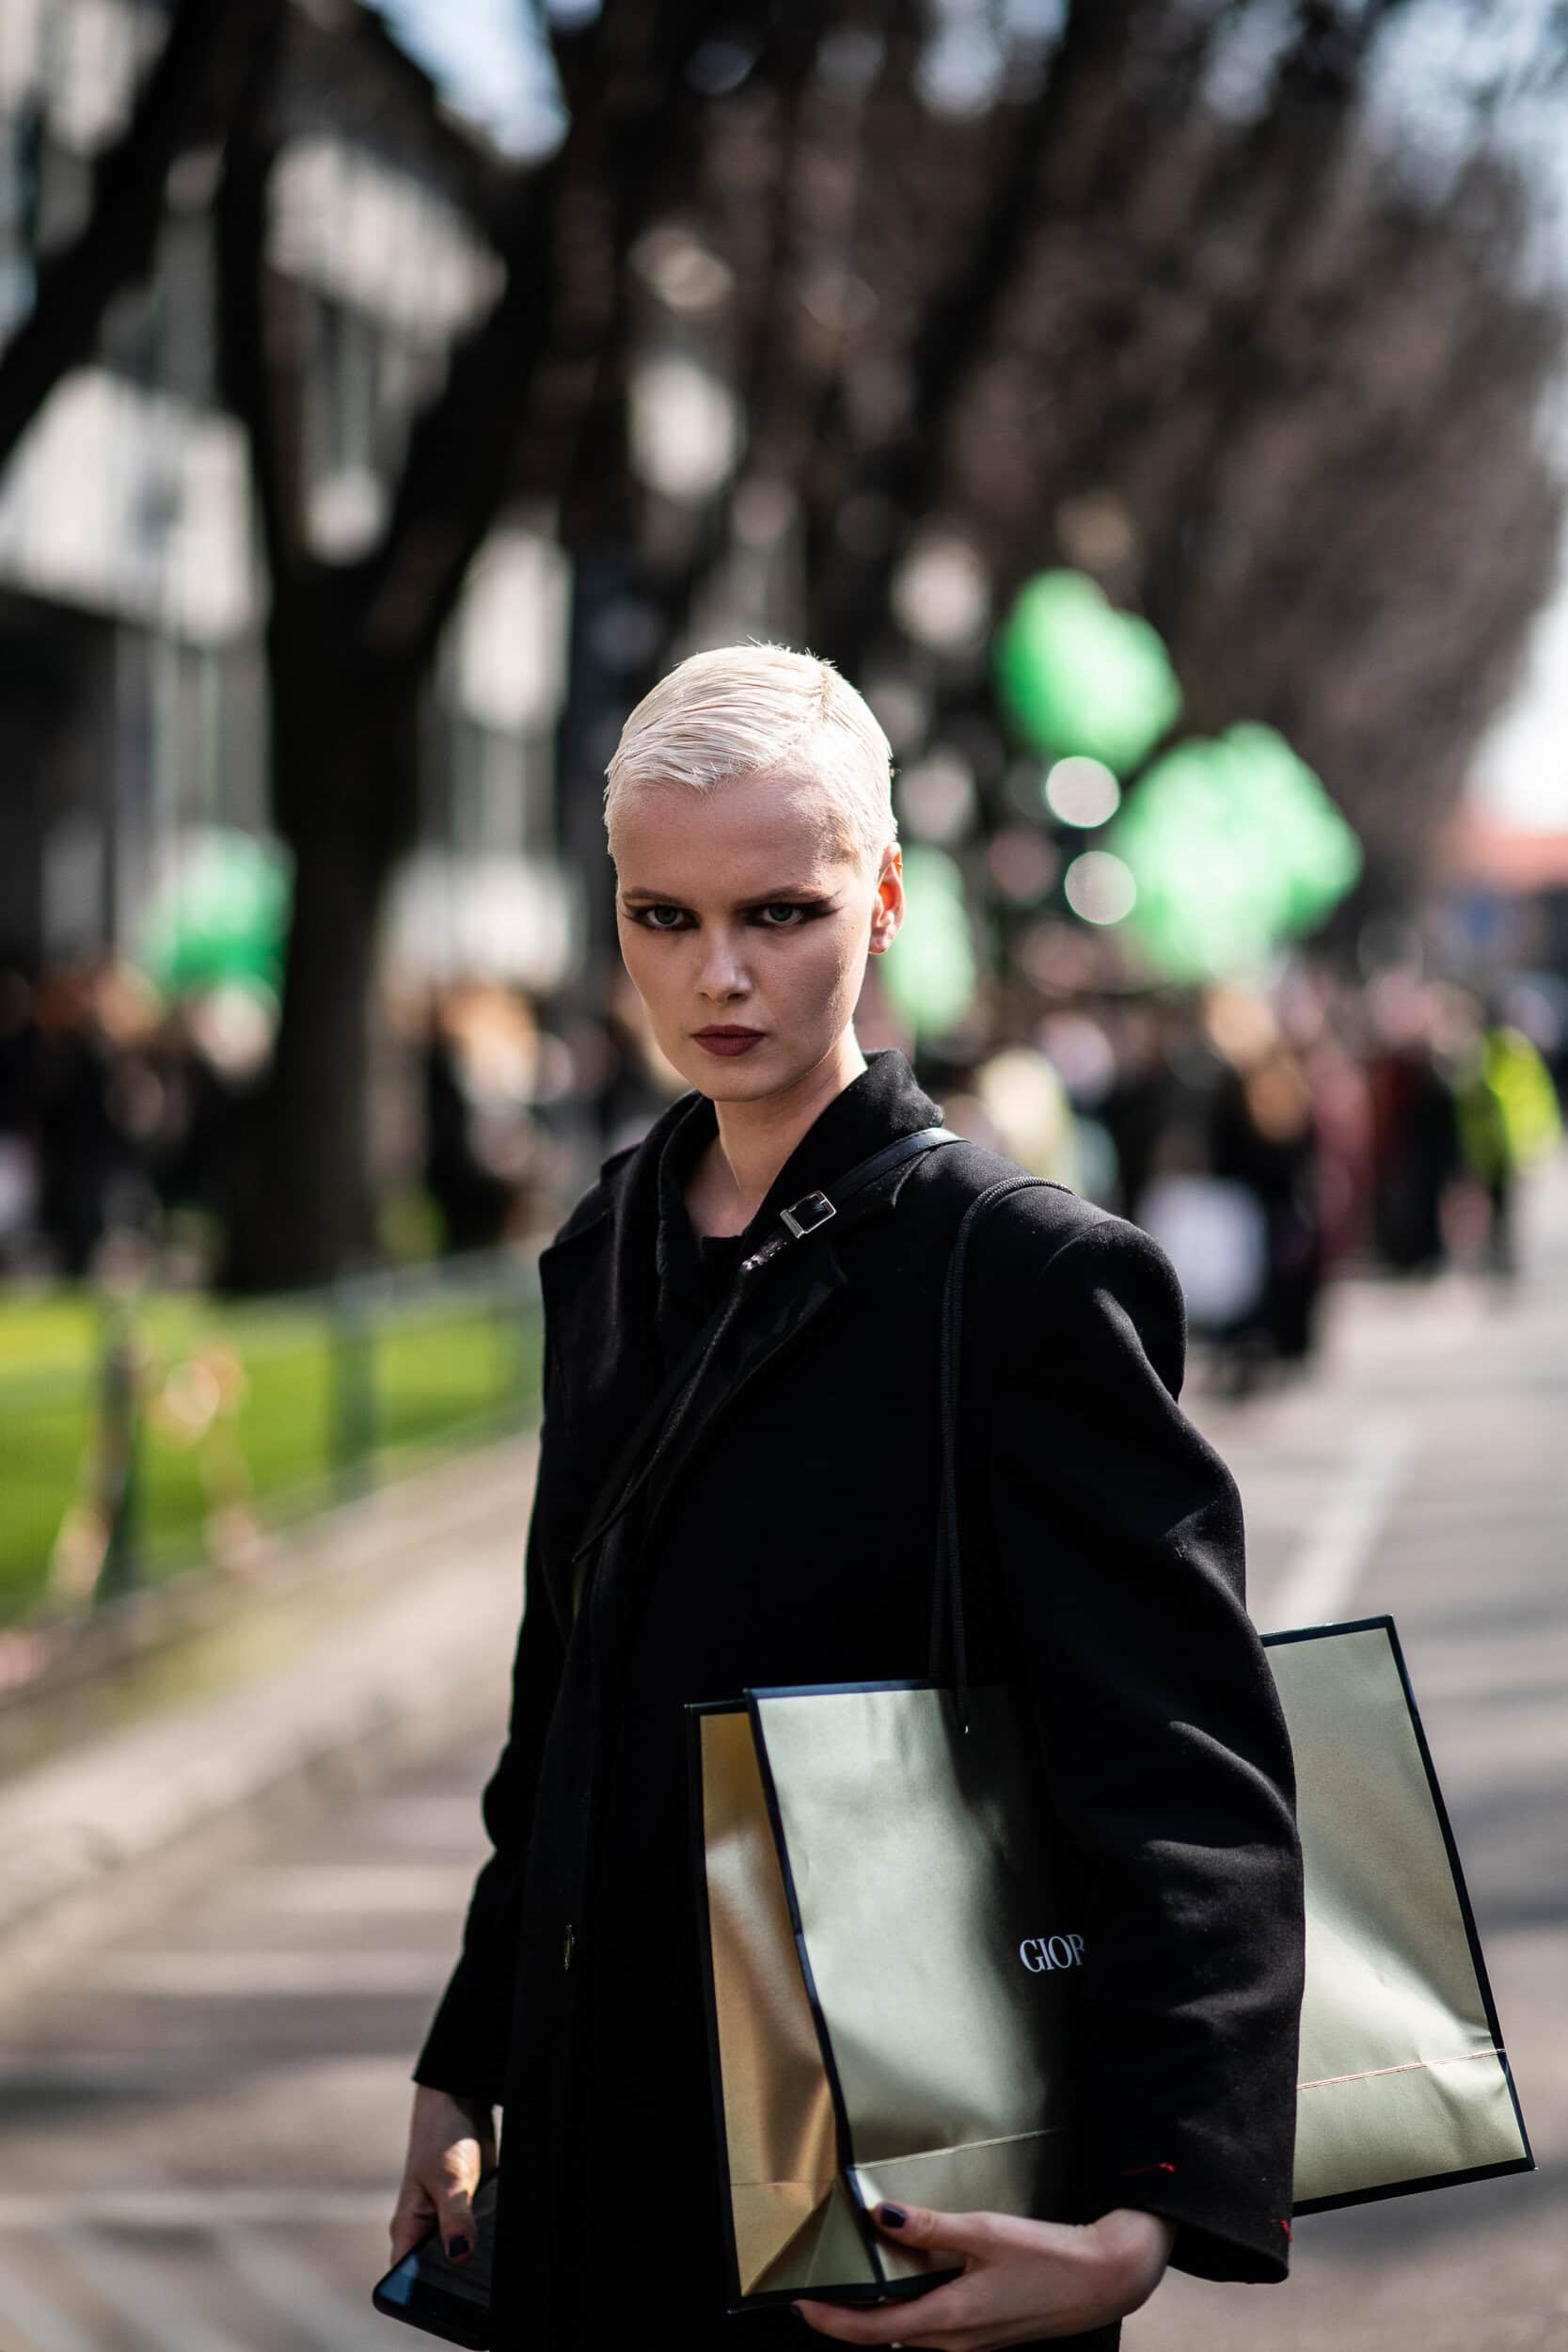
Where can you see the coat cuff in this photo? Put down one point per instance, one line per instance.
(456, 2057)
(1216, 2237)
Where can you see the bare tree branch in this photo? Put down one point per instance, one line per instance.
(203, 51)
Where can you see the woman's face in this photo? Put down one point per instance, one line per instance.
(736, 911)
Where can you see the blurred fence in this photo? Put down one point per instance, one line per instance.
(140, 1437)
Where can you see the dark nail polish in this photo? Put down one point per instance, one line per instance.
(893, 2216)
(457, 2249)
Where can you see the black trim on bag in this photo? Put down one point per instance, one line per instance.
(1525, 2161)
(1412, 2188)
(835, 1690)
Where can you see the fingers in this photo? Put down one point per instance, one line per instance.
(456, 2213)
(411, 2219)
(948, 2232)
(415, 2214)
(930, 2319)
(452, 2141)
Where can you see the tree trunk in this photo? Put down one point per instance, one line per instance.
(345, 794)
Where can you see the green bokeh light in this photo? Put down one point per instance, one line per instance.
(1075, 675)
(931, 971)
(1234, 846)
(222, 914)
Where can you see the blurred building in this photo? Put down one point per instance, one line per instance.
(133, 704)
(1507, 898)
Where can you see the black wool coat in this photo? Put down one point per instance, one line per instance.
(787, 1538)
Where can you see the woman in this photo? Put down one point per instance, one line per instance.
(786, 1537)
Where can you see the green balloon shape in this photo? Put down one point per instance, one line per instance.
(1075, 675)
(1234, 846)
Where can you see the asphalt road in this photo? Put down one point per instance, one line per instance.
(201, 2124)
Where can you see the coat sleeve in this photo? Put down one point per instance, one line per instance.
(1119, 1544)
(466, 2048)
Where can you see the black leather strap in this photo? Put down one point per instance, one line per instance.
(947, 1600)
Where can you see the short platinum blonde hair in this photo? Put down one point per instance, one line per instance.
(747, 711)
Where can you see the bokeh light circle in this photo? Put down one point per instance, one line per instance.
(1099, 888)
(1082, 791)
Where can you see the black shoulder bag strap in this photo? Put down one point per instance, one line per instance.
(947, 1601)
(669, 1406)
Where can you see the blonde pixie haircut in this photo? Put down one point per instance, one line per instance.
(746, 710)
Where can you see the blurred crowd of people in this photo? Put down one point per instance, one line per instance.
(1271, 1140)
(1267, 1140)
(122, 1116)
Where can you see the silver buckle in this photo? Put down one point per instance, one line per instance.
(812, 1210)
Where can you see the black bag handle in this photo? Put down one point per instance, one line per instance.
(669, 1406)
(947, 1600)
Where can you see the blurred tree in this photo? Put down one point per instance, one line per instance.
(1182, 299)
(350, 644)
(1168, 291)
(194, 81)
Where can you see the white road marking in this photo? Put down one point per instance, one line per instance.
(144, 2297)
(39, 2325)
(1320, 1578)
(177, 2207)
(283, 2281)
(266, 1975)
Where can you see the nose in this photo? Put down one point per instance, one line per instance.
(722, 973)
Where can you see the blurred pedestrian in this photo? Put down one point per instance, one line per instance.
(1264, 1139)
(1508, 1120)
(1415, 1131)
(784, 1534)
(483, 1144)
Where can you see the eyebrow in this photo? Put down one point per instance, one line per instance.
(768, 898)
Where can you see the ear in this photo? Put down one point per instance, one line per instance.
(888, 912)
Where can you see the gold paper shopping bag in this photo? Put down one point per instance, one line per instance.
(892, 1985)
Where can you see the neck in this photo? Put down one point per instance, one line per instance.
(755, 1138)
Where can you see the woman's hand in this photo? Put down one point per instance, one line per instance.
(451, 2141)
(1021, 2279)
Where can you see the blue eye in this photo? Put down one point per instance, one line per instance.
(802, 910)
